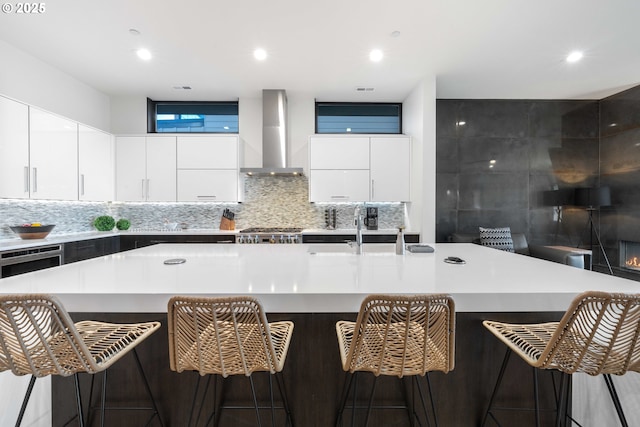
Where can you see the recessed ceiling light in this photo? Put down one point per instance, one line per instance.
(376, 55)
(260, 54)
(395, 33)
(574, 56)
(143, 54)
(134, 32)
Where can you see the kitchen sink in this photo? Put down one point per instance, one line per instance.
(346, 249)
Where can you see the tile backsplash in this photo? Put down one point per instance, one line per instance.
(269, 202)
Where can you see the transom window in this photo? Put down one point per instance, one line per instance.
(192, 117)
(358, 117)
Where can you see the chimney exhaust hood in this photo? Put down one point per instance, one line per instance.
(275, 143)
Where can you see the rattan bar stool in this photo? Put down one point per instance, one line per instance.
(228, 336)
(403, 336)
(598, 335)
(38, 337)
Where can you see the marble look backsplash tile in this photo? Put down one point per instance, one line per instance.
(269, 202)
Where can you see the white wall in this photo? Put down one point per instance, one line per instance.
(29, 80)
(419, 121)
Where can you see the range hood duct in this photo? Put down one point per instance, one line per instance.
(275, 138)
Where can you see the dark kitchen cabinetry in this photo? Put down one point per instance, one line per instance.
(92, 248)
(366, 238)
(128, 242)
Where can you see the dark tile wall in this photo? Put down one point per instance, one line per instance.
(620, 169)
(495, 158)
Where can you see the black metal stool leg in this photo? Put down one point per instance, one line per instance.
(255, 400)
(283, 394)
(273, 409)
(27, 395)
(78, 400)
(104, 397)
(373, 389)
(505, 361)
(146, 385)
(348, 378)
(535, 396)
(616, 400)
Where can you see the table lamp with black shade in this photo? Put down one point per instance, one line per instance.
(593, 198)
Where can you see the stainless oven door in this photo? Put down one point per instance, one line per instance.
(31, 259)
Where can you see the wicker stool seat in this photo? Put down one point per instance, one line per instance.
(38, 337)
(598, 335)
(224, 337)
(402, 336)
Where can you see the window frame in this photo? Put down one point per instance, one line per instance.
(152, 114)
(362, 104)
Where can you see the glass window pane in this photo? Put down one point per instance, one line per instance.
(201, 117)
(358, 118)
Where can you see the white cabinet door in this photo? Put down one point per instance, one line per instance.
(207, 185)
(207, 152)
(53, 156)
(14, 149)
(338, 153)
(95, 164)
(339, 185)
(161, 169)
(390, 169)
(131, 174)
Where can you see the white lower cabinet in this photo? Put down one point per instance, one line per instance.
(207, 185)
(338, 185)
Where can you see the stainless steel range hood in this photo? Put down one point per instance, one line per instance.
(275, 138)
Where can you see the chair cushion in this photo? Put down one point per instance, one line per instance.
(498, 238)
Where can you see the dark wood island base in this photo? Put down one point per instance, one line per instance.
(313, 378)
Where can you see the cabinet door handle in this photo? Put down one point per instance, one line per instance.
(142, 189)
(206, 197)
(82, 184)
(148, 196)
(35, 180)
(26, 179)
(340, 197)
(373, 188)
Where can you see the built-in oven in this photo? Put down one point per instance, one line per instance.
(21, 261)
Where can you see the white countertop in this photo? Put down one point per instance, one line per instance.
(312, 278)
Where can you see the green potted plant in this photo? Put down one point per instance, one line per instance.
(104, 223)
(123, 224)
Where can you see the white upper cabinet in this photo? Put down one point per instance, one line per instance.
(146, 168)
(14, 149)
(208, 168)
(390, 169)
(208, 152)
(53, 153)
(339, 153)
(359, 168)
(95, 164)
(331, 185)
(207, 185)
(161, 168)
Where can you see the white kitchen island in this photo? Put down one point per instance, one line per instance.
(324, 279)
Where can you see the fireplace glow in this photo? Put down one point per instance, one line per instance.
(630, 255)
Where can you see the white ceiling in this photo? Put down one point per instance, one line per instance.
(475, 48)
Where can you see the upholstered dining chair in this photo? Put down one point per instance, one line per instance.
(598, 335)
(38, 338)
(397, 335)
(228, 336)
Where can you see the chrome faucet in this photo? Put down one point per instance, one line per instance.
(357, 215)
